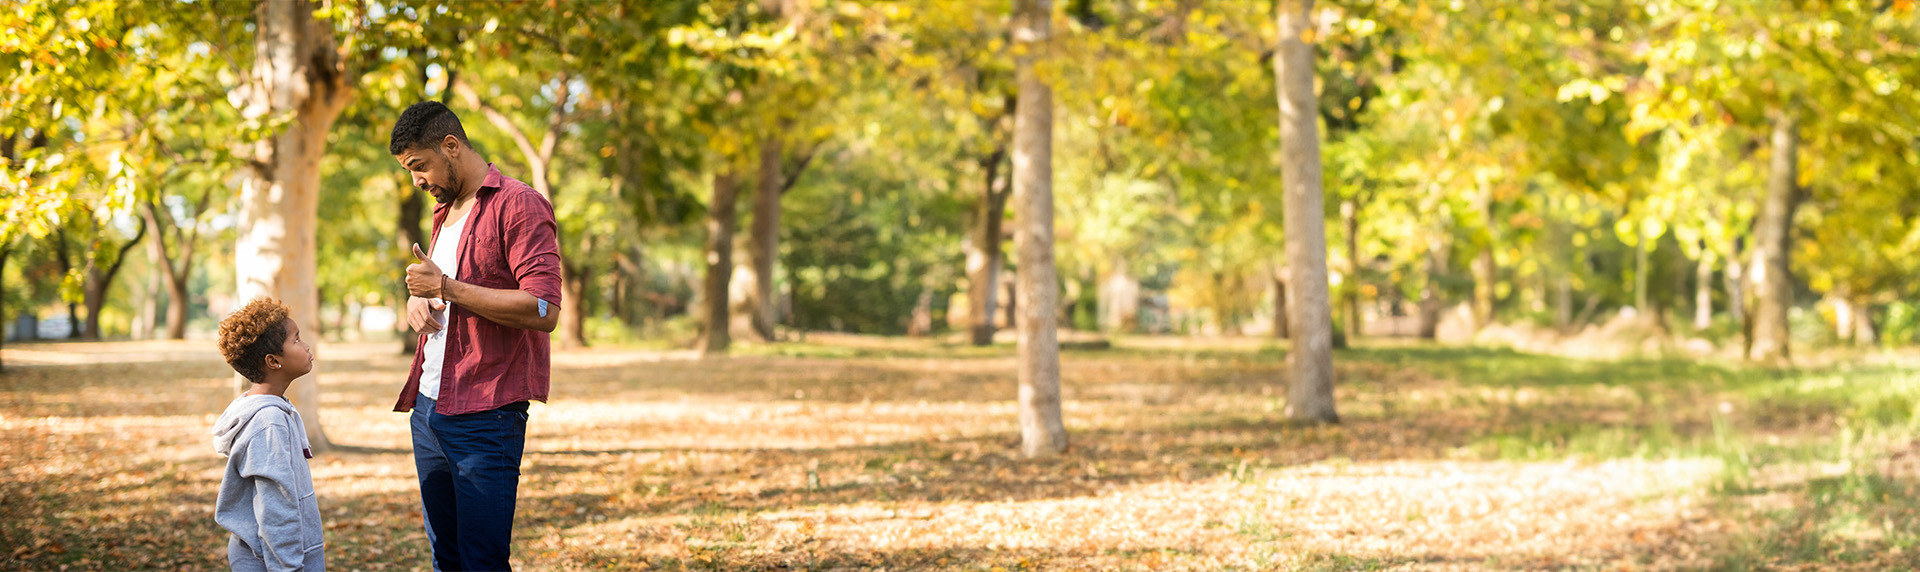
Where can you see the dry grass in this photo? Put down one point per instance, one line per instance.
(865, 453)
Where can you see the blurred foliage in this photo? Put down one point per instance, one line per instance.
(1613, 145)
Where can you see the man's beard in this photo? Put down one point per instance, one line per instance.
(444, 195)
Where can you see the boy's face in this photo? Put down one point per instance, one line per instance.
(295, 357)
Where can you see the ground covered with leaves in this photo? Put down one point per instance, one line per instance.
(870, 453)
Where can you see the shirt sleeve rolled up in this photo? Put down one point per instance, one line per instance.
(533, 247)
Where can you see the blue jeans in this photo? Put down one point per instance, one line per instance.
(469, 467)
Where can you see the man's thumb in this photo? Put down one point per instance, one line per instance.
(417, 254)
(436, 304)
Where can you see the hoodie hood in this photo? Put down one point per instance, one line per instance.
(239, 416)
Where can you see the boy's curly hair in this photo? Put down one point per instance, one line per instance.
(250, 334)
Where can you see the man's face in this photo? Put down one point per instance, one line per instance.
(432, 170)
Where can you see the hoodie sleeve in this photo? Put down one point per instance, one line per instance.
(266, 461)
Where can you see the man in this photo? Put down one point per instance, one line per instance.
(483, 302)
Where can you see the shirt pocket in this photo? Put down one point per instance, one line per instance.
(487, 253)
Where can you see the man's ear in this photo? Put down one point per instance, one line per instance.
(450, 145)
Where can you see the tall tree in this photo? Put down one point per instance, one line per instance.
(1310, 399)
(574, 271)
(1042, 432)
(763, 244)
(175, 262)
(790, 92)
(103, 263)
(1772, 278)
(776, 178)
(955, 58)
(719, 256)
(983, 248)
(298, 74)
(1280, 315)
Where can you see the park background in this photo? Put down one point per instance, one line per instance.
(943, 284)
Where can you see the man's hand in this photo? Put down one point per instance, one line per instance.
(424, 278)
(420, 314)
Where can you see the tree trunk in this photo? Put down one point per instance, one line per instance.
(150, 303)
(1350, 215)
(1843, 314)
(1641, 269)
(174, 278)
(1772, 277)
(983, 251)
(1563, 303)
(1310, 399)
(1430, 302)
(764, 245)
(1280, 318)
(99, 281)
(1012, 305)
(1119, 298)
(413, 208)
(6, 251)
(1073, 303)
(1485, 274)
(1736, 281)
(340, 318)
(1703, 290)
(74, 325)
(1042, 432)
(572, 321)
(297, 72)
(628, 278)
(720, 223)
(920, 323)
(1676, 296)
(1863, 331)
(177, 305)
(636, 284)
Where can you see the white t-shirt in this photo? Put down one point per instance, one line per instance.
(445, 251)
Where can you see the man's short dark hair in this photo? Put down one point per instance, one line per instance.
(424, 125)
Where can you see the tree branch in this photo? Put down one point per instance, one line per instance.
(558, 47)
(556, 118)
(498, 119)
(792, 175)
(152, 219)
(122, 255)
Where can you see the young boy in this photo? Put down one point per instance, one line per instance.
(266, 497)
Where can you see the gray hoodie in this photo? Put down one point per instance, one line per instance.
(266, 497)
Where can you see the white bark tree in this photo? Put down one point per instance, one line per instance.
(1310, 399)
(1772, 278)
(299, 76)
(1042, 433)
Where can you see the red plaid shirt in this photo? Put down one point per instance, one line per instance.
(510, 244)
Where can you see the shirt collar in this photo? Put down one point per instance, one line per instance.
(493, 181)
